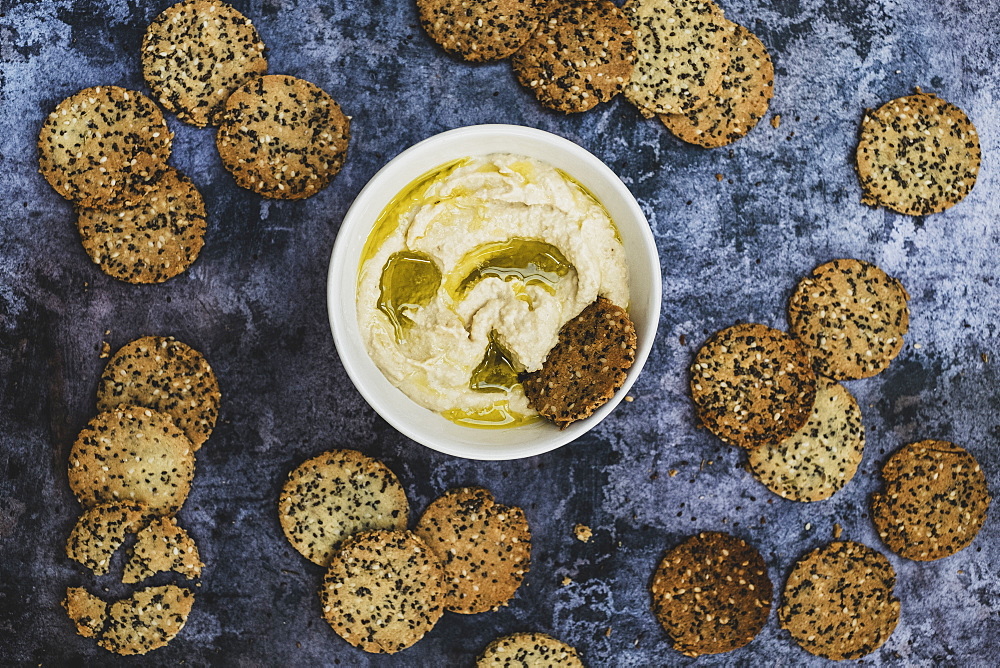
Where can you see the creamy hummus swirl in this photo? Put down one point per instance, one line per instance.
(479, 203)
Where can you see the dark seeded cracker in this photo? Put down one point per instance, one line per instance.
(164, 374)
(752, 385)
(104, 147)
(154, 240)
(582, 54)
(334, 495)
(282, 137)
(712, 594)
(101, 530)
(739, 103)
(195, 54)
(161, 547)
(838, 602)
(851, 316)
(522, 650)
(147, 620)
(485, 548)
(480, 30)
(820, 458)
(682, 49)
(934, 501)
(132, 454)
(917, 155)
(586, 367)
(86, 611)
(383, 591)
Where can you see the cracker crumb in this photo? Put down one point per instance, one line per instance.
(582, 533)
(629, 398)
(672, 472)
(607, 633)
(566, 581)
(985, 357)
(836, 530)
(776, 121)
(105, 350)
(917, 346)
(719, 177)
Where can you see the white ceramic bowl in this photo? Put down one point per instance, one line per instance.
(415, 421)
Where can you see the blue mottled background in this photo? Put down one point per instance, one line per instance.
(730, 250)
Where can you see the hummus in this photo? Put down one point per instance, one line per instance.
(469, 274)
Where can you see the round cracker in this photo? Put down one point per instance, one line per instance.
(132, 454)
(752, 385)
(169, 376)
(820, 458)
(917, 155)
(485, 547)
(158, 238)
(104, 147)
(334, 495)
(147, 620)
(163, 546)
(682, 50)
(480, 30)
(282, 137)
(383, 591)
(195, 54)
(934, 501)
(582, 54)
(529, 649)
(838, 601)
(712, 594)
(585, 368)
(86, 611)
(851, 316)
(101, 530)
(739, 103)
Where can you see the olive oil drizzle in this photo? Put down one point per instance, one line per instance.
(409, 282)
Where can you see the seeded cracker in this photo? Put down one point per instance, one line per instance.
(166, 375)
(934, 501)
(529, 650)
(820, 458)
(156, 239)
(480, 30)
(582, 54)
(485, 548)
(334, 495)
(104, 147)
(683, 48)
(86, 611)
(195, 54)
(132, 454)
(147, 620)
(838, 601)
(917, 155)
(161, 547)
(752, 385)
(586, 367)
(383, 591)
(739, 103)
(282, 137)
(101, 530)
(851, 316)
(712, 594)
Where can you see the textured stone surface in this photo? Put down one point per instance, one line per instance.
(254, 303)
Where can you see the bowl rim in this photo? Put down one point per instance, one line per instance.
(342, 330)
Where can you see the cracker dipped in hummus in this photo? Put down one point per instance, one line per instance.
(469, 274)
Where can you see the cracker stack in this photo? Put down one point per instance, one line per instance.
(708, 79)
(106, 148)
(131, 468)
(386, 587)
(776, 394)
